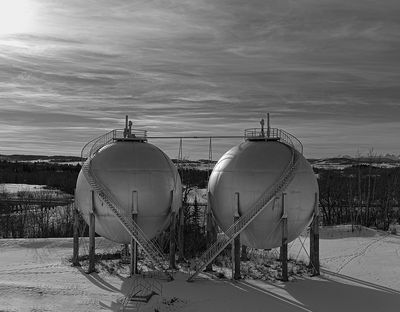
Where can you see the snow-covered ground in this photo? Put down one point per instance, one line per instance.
(12, 190)
(15, 188)
(199, 193)
(361, 272)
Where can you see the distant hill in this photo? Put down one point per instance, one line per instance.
(344, 162)
(40, 158)
(338, 162)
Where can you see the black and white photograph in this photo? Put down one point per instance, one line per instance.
(199, 155)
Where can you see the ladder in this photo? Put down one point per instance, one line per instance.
(150, 248)
(237, 227)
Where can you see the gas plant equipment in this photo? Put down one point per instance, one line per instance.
(126, 191)
(257, 167)
(129, 176)
(263, 191)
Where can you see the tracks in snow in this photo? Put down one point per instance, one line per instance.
(344, 260)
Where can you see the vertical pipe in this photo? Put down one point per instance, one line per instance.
(126, 126)
(180, 156)
(236, 243)
(262, 128)
(134, 247)
(314, 239)
(209, 159)
(210, 153)
(284, 247)
(268, 126)
(92, 233)
(130, 129)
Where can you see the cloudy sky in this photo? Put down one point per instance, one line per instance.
(328, 71)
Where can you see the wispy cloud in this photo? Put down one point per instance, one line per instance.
(328, 71)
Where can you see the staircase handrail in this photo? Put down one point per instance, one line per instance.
(93, 146)
(237, 227)
(274, 133)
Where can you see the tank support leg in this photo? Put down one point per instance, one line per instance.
(236, 256)
(134, 258)
(314, 239)
(133, 266)
(181, 256)
(172, 245)
(211, 234)
(236, 244)
(75, 255)
(92, 241)
(284, 247)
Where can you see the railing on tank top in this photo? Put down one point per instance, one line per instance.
(93, 146)
(274, 133)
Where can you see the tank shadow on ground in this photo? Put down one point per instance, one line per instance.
(126, 287)
(95, 279)
(322, 293)
(365, 283)
(329, 292)
(342, 294)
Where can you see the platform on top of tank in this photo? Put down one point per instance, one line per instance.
(260, 138)
(135, 139)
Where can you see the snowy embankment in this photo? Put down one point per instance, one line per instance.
(361, 272)
(13, 188)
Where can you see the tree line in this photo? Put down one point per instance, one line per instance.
(360, 195)
(35, 214)
(59, 176)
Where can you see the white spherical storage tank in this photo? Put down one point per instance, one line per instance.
(139, 175)
(251, 168)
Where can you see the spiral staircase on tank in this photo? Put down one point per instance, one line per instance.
(150, 247)
(264, 200)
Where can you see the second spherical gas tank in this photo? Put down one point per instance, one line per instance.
(244, 173)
